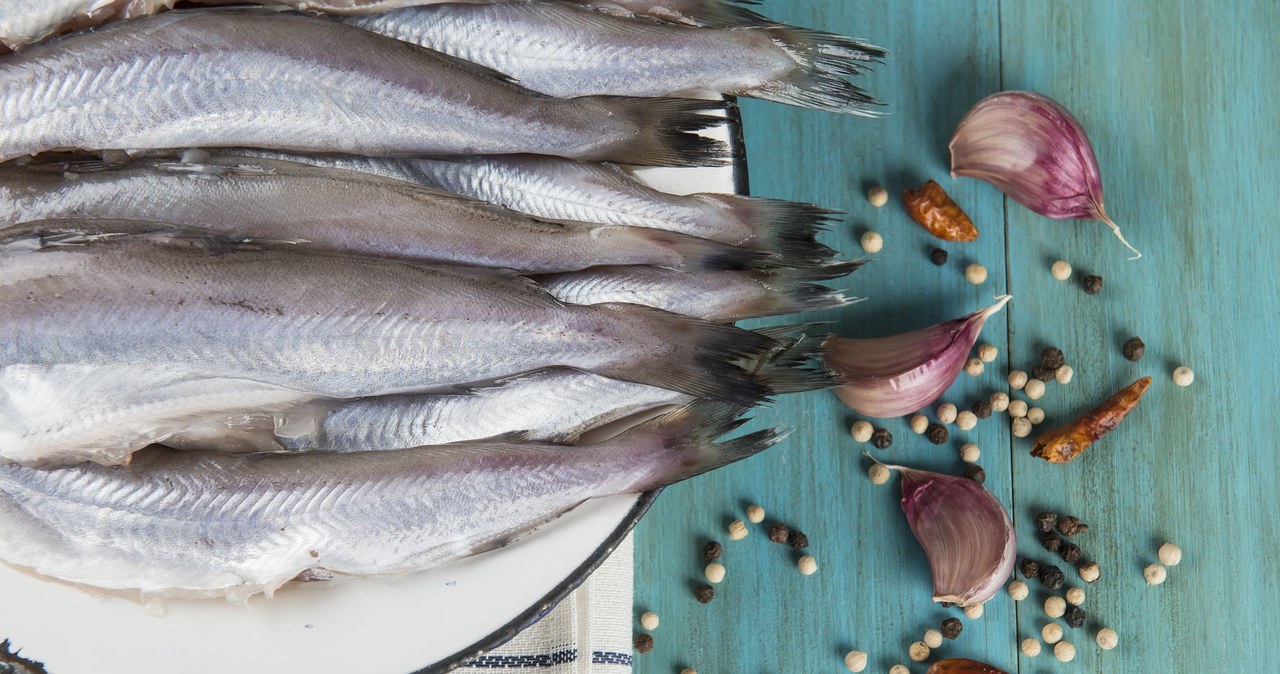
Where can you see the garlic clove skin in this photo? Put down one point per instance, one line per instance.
(965, 532)
(888, 377)
(963, 666)
(1031, 148)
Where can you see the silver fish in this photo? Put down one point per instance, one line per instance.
(724, 296)
(565, 190)
(207, 524)
(562, 50)
(274, 80)
(26, 21)
(352, 212)
(110, 345)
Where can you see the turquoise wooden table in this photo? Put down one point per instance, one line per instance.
(1180, 98)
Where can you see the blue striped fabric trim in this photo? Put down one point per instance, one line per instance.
(560, 657)
(611, 658)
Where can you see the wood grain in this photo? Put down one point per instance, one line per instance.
(1180, 99)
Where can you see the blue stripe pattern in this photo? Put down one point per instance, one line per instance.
(560, 657)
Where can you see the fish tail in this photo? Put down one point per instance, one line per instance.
(686, 440)
(798, 365)
(666, 131)
(791, 291)
(823, 61)
(772, 223)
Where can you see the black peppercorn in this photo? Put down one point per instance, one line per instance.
(712, 551)
(1052, 358)
(1052, 577)
(952, 627)
(1042, 373)
(881, 438)
(1075, 616)
(938, 256)
(976, 473)
(1093, 284)
(1071, 553)
(1050, 541)
(1046, 521)
(982, 409)
(643, 643)
(778, 533)
(704, 593)
(1134, 349)
(936, 433)
(798, 540)
(1070, 526)
(1030, 568)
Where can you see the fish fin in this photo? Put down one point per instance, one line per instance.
(688, 435)
(666, 131)
(774, 223)
(724, 14)
(823, 60)
(788, 291)
(798, 367)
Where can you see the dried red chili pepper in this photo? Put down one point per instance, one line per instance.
(963, 666)
(1065, 443)
(935, 211)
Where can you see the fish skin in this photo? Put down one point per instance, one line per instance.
(345, 211)
(75, 319)
(208, 524)
(259, 78)
(23, 22)
(567, 51)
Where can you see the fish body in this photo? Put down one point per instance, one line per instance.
(23, 22)
(273, 80)
(349, 212)
(207, 524)
(568, 51)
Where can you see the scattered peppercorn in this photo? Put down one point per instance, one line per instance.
(1155, 574)
(872, 242)
(936, 433)
(1030, 568)
(807, 565)
(982, 409)
(881, 438)
(643, 643)
(938, 256)
(1034, 389)
(1071, 553)
(1183, 376)
(712, 551)
(1089, 571)
(1071, 526)
(1052, 358)
(1050, 541)
(1170, 554)
(778, 533)
(878, 196)
(704, 593)
(798, 540)
(1092, 284)
(952, 627)
(1051, 577)
(1134, 349)
(1042, 373)
(1075, 617)
(976, 473)
(1046, 521)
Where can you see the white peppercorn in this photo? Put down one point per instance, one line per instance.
(1155, 574)
(974, 367)
(1170, 554)
(899, 669)
(1017, 408)
(1061, 270)
(1183, 376)
(918, 651)
(919, 423)
(878, 196)
(714, 572)
(946, 413)
(1035, 415)
(1018, 590)
(1089, 572)
(856, 661)
(1055, 606)
(1108, 639)
(933, 638)
(1064, 374)
(807, 565)
(974, 611)
(862, 431)
(1030, 647)
(1017, 379)
(1075, 596)
(999, 401)
(1064, 651)
(966, 420)
(649, 620)
(879, 473)
(737, 530)
(1021, 427)
(1052, 633)
(970, 453)
(688, 670)
(987, 353)
(1034, 389)
(975, 274)
(872, 242)
(755, 514)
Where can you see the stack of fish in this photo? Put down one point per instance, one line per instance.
(363, 329)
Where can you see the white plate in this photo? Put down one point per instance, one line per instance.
(423, 622)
